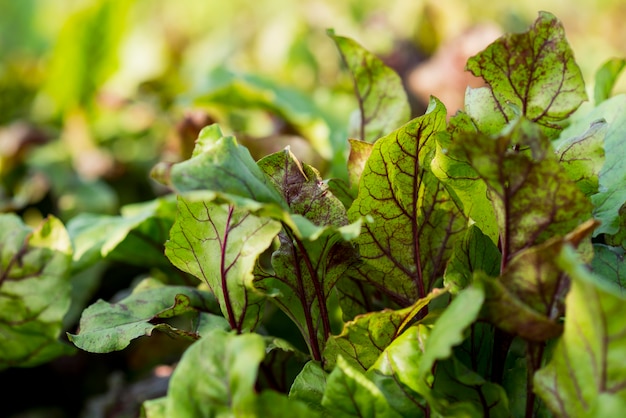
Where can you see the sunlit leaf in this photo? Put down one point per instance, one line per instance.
(587, 367)
(35, 291)
(531, 74)
(220, 244)
(382, 100)
(306, 270)
(606, 78)
(106, 327)
(349, 393)
(533, 197)
(215, 376)
(415, 220)
(363, 339)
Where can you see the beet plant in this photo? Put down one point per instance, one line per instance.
(464, 267)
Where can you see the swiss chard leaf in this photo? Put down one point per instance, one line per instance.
(532, 74)
(106, 327)
(310, 385)
(415, 220)
(533, 197)
(382, 100)
(216, 375)
(306, 270)
(608, 263)
(234, 239)
(35, 291)
(363, 339)
(587, 374)
(349, 393)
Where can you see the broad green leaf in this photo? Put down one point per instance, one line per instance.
(415, 221)
(35, 291)
(612, 190)
(271, 404)
(106, 327)
(459, 175)
(306, 270)
(349, 393)
(608, 263)
(606, 77)
(154, 408)
(531, 74)
(360, 152)
(215, 376)
(582, 157)
(222, 166)
(310, 385)
(587, 367)
(136, 237)
(532, 195)
(220, 244)
(364, 339)
(474, 252)
(382, 100)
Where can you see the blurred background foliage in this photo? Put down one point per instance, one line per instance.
(94, 93)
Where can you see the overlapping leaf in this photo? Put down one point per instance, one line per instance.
(533, 197)
(382, 100)
(606, 77)
(363, 339)
(415, 220)
(106, 327)
(220, 244)
(35, 291)
(587, 374)
(532, 74)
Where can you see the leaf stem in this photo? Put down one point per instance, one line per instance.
(223, 273)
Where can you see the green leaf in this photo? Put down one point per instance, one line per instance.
(364, 339)
(382, 100)
(475, 252)
(220, 244)
(272, 404)
(106, 327)
(606, 77)
(415, 221)
(532, 195)
(310, 385)
(136, 237)
(459, 175)
(35, 291)
(349, 393)
(582, 156)
(222, 166)
(608, 263)
(587, 368)
(612, 190)
(531, 74)
(360, 152)
(215, 376)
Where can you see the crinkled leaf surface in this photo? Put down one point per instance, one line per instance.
(587, 368)
(461, 177)
(606, 77)
(349, 393)
(35, 291)
(215, 376)
(533, 197)
(415, 220)
(582, 156)
(474, 252)
(531, 74)
(382, 100)
(135, 237)
(364, 338)
(106, 327)
(612, 190)
(220, 244)
(306, 270)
